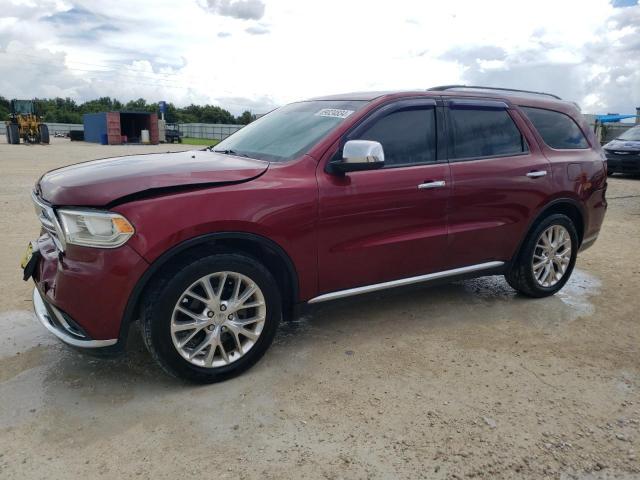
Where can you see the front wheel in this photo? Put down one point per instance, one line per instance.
(212, 318)
(546, 259)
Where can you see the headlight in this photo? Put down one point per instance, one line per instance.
(92, 228)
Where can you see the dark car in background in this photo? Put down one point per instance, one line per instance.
(623, 153)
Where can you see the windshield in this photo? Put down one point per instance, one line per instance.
(288, 131)
(632, 134)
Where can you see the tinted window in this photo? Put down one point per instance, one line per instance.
(407, 136)
(556, 129)
(478, 132)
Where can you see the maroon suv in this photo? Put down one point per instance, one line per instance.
(318, 200)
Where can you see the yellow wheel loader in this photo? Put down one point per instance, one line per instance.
(25, 124)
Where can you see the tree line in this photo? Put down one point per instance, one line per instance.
(67, 110)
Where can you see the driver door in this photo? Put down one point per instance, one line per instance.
(387, 224)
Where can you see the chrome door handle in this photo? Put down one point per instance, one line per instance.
(537, 174)
(434, 184)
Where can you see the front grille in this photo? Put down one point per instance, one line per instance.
(49, 222)
(621, 155)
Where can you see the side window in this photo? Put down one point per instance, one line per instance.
(478, 132)
(407, 136)
(557, 130)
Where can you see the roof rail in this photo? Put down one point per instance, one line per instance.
(476, 87)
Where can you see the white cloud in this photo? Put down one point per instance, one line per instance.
(244, 9)
(257, 30)
(190, 51)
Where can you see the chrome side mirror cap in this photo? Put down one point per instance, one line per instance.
(359, 155)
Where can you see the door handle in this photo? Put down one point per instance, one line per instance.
(432, 184)
(537, 174)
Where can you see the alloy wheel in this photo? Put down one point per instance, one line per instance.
(218, 319)
(551, 255)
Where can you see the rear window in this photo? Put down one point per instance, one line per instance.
(558, 130)
(479, 132)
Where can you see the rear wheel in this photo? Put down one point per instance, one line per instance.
(43, 130)
(213, 318)
(546, 259)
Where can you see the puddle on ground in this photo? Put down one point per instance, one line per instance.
(570, 303)
(479, 299)
(46, 375)
(577, 291)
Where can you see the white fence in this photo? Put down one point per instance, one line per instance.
(211, 131)
(63, 128)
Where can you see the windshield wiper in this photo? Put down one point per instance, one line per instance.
(230, 152)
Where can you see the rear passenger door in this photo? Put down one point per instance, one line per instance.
(499, 179)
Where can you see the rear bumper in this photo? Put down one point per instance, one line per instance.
(596, 208)
(588, 242)
(64, 327)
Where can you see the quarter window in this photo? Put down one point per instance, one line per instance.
(558, 130)
(407, 136)
(479, 132)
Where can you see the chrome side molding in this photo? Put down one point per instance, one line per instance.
(404, 281)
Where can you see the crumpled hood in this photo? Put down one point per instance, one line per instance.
(623, 145)
(101, 182)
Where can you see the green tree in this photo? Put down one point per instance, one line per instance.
(5, 108)
(66, 110)
(246, 118)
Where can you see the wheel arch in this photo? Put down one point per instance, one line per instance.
(272, 255)
(566, 206)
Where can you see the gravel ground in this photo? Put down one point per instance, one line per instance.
(458, 381)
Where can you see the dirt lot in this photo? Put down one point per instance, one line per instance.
(464, 380)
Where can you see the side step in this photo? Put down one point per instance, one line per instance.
(405, 281)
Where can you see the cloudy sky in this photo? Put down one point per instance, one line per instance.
(256, 54)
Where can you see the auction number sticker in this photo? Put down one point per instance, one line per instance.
(334, 112)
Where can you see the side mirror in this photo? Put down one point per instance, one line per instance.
(359, 155)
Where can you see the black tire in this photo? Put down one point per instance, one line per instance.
(610, 172)
(520, 274)
(168, 289)
(14, 134)
(44, 133)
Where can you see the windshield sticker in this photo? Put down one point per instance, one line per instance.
(334, 112)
